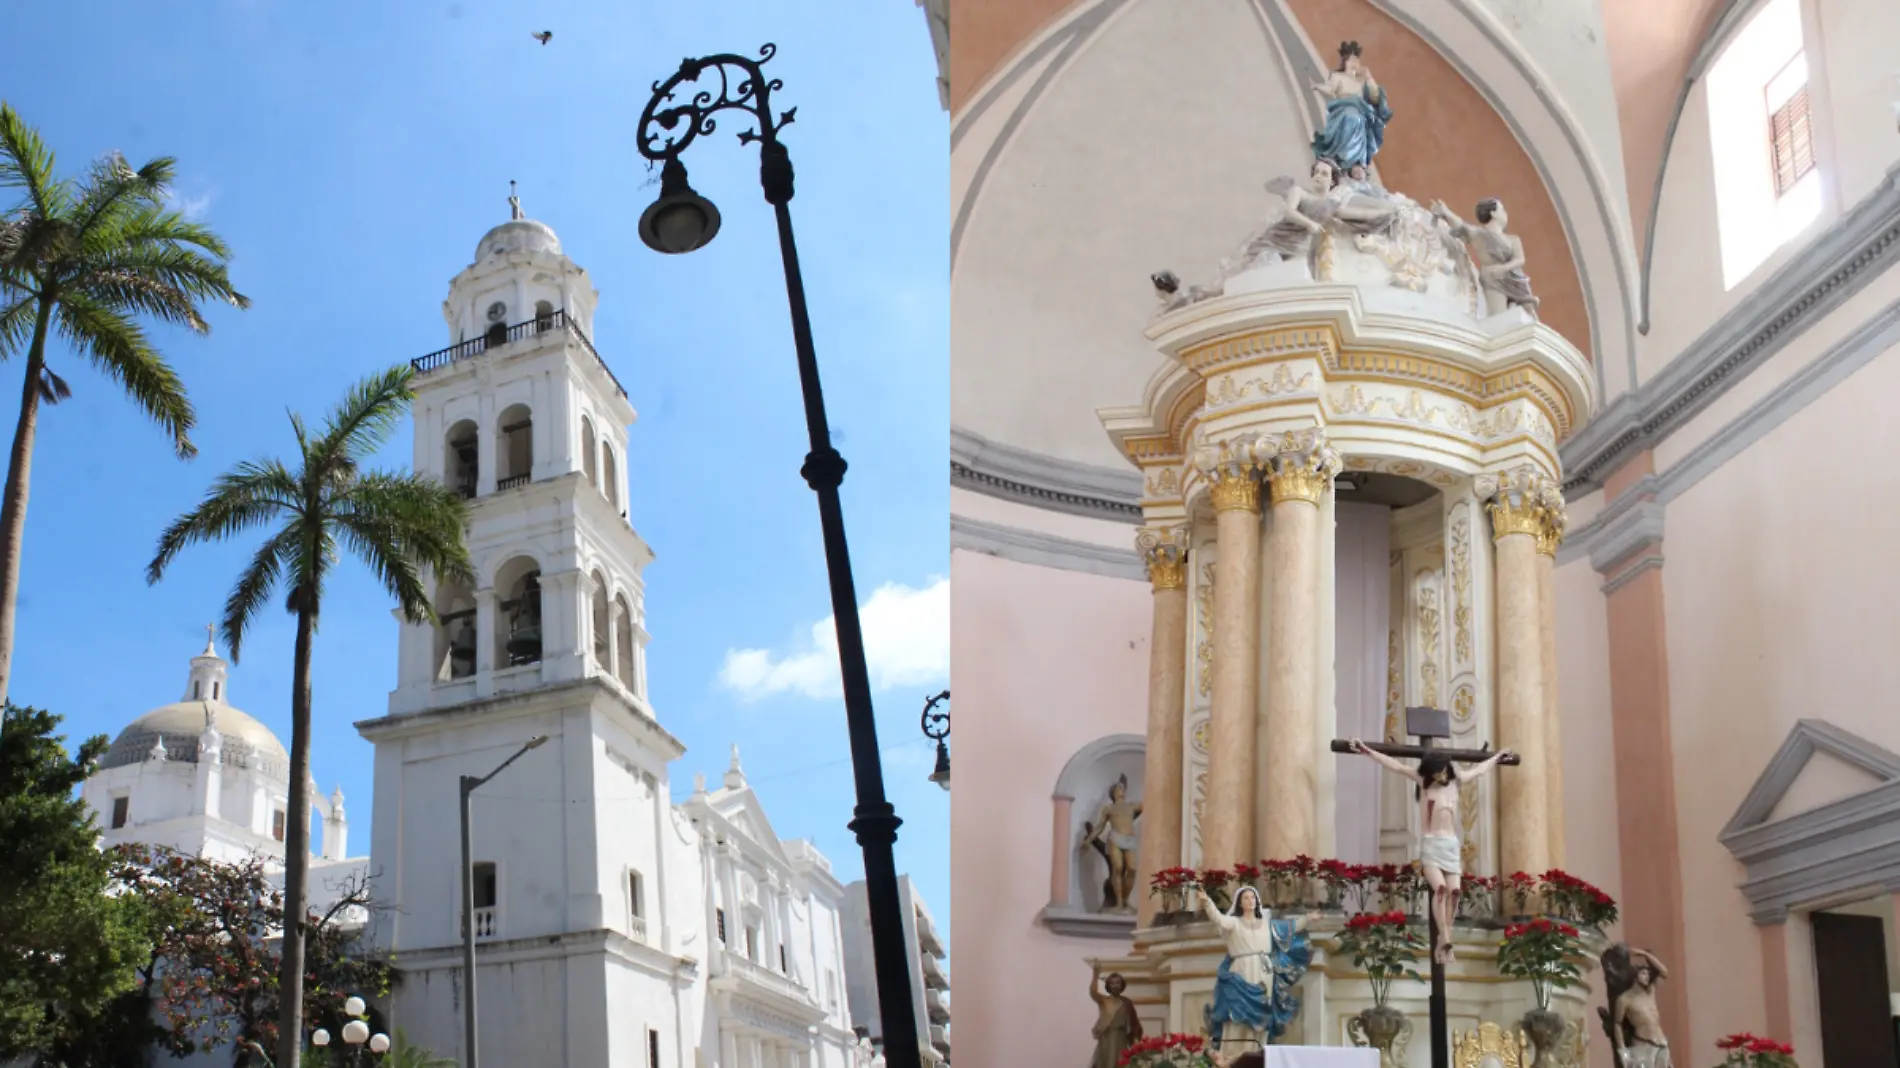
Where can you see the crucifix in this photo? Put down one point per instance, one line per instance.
(1440, 858)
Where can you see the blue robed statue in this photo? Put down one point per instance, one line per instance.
(1356, 114)
(1255, 995)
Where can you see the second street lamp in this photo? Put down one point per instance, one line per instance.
(682, 108)
(937, 728)
(470, 784)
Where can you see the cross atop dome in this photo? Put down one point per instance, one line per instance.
(514, 202)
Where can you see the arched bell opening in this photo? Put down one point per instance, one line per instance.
(602, 622)
(623, 639)
(455, 631)
(609, 475)
(461, 458)
(514, 447)
(589, 446)
(518, 620)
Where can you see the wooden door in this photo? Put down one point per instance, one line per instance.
(1850, 969)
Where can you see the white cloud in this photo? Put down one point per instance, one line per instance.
(906, 643)
(193, 208)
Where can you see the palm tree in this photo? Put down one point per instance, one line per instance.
(87, 260)
(402, 526)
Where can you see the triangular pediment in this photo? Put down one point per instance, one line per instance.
(1818, 765)
(746, 816)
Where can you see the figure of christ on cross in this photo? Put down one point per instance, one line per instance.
(1437, 777)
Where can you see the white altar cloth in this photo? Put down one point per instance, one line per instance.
(1322, 1057)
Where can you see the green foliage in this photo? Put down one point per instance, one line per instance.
(69, 949)
(1385, 945)
(403, 1055)
(1545, 952)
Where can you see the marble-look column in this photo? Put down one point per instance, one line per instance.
(1518, 516)
(1548, 538)
(1232, 769)
(1300, 474)
(1165, 552)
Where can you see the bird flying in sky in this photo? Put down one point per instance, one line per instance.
(544, 36)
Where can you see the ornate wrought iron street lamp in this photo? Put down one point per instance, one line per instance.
(684, 107)
(937, 729)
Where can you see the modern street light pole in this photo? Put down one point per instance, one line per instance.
(936, 726)
(469, 785)
(682, 108)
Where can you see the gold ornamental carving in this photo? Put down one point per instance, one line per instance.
(1164, 552)
(1490, 1046)
(1461, 591)
(1428, 640)
(1523, 501)
(1235, 491)
(1204, 617)
(1394, 689)
(1303, 467)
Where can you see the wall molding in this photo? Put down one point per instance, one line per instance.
(1866, 343)
(1044, 550)
(1827, 855)
(1827, 271)
(1023, 477)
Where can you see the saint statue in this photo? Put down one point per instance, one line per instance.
(1439, 851)
(1632, 1020)
(1116, 1026)
(1500, 256)
(1113, 835)
(1356, 112)
(1254, 996)
(1310, 207)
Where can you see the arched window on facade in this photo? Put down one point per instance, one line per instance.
(602, 621)
(543, 316)
(609, 475)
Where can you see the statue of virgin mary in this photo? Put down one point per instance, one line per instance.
(1254, 989)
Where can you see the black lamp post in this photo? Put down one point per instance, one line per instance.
(681, 220)
(937, 729)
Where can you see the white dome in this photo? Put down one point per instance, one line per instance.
(518, 235)
(246, 742)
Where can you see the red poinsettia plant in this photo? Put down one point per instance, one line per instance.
(1168, 1051)
(1545, 952)
(1385, 945)
(1753, 1051)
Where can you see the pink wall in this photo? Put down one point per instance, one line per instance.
(1042, 662)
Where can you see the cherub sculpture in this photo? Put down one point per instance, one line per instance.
(1500, 256)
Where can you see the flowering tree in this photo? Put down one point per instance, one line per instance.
(1169, 1051)
(1544, 952)
(214, 974)
(1752, 1051)
(1384, 944)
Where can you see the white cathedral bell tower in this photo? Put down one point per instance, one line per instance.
(586, 891)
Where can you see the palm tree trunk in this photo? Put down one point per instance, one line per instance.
(13, 501)
(296, 849)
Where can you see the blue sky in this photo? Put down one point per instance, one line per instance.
(352, 154)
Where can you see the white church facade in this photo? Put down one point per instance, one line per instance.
(614, 928)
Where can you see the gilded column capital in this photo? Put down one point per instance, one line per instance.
(1164, 552)
(1231, 468)
(1302, 467)
(1524, 501)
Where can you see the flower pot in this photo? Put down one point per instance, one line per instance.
(1383, 1028)
(1545, 1029)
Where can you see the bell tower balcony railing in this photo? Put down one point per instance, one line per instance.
(496, 338)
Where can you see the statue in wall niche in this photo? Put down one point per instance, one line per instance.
(1112, 833)
(1633, 1021)
(1500, 256)
(1255, 987)
(1116, 1025)
(1356, 112)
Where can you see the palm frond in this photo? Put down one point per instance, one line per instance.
(53, 388)
(112, 188)
(369, 414)
(249, 495)
(382, 547)
(431, 517)
(189, 275)
(119, 347)
(254, 586)
(26, 163)
(151, 223)
(16, 319)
